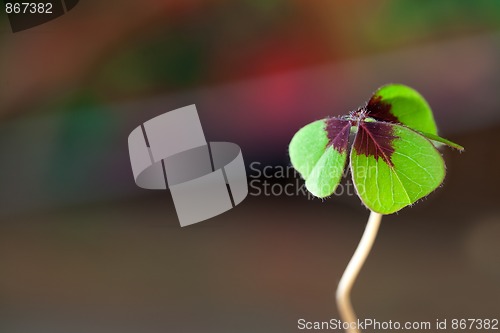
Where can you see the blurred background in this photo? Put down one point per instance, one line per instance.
(82, 249)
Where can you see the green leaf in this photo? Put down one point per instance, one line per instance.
(318, 151)
(397, 103)
(327, 173)
(307, 147)
(393, 166)
(443, 141)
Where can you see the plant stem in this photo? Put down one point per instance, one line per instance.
(351, 272)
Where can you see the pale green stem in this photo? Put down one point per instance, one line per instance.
(344, 305)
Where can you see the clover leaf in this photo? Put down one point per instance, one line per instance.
(393, 157)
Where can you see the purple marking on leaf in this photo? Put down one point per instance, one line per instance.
(337, 131)
(380, 110)
(375, 139)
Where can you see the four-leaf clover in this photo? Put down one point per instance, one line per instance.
(393, 157)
